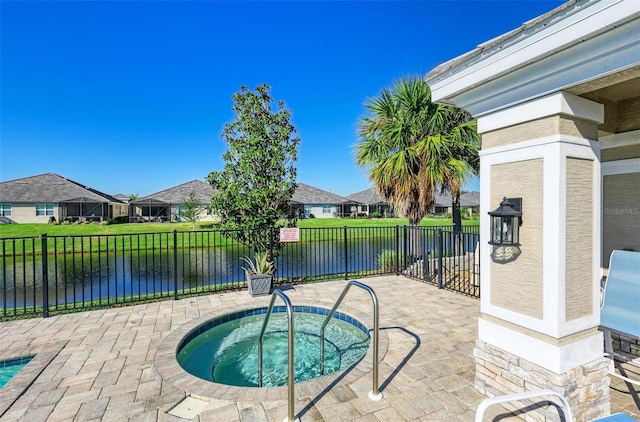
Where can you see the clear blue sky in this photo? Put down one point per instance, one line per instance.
(131, 97)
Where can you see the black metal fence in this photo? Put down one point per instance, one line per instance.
(55, 274)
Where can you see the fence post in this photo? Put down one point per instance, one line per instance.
(440, 246)
(45, 277)
(346, 255)
(175, 264)
(397, 249)
(405, 236)
(271, 235)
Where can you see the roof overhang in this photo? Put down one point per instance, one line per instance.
(149, 201)
(574, 44)
(84, 199)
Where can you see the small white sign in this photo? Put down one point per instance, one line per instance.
(289, 234)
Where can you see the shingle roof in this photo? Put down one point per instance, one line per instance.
(469, 199)
(368, 196)
(306, 194)
(442, 200)
(372, 197)
(178, 194)
(50, 187)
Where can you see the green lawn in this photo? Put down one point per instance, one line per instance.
(33, 230)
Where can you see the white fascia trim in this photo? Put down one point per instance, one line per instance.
(620, 139)
(553, 238)
(632, 165)
(558, 359)
(558, 103)
(585, 23)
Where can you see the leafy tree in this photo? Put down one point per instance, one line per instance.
(259, 177)
(191, 209)
(133, 196)
(413, 147)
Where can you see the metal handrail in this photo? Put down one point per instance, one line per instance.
(374, 394)
(291, 379)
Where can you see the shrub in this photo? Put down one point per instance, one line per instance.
(376, 214)
(387, 261)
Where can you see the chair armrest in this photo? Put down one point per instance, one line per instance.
(507, 398)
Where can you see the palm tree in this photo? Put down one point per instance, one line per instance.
(412, 147)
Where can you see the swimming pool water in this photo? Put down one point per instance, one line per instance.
(228, 352)
(8, 369)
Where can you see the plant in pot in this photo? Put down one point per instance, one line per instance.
(259, 272)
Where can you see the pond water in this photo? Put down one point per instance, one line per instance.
(99, 276)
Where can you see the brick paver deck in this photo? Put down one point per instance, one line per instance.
(117, 364)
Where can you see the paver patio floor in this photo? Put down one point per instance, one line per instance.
(104, 365)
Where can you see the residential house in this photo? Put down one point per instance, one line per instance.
(558, 107)
(468, 200)
(311, 202)
(49, 197)
(371, 202)
(122, 197)
(165, 206)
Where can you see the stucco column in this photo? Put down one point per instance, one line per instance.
(540, 302)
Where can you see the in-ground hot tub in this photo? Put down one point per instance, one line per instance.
(225, 350)
(171, 371)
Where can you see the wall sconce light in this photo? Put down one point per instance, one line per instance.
(505, 223)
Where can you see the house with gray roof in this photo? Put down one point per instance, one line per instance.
(308, 201)
(50, 197)
(165, 206)
(371, 201)
(469, 200)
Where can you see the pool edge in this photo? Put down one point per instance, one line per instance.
(16, 387)
(170, 370)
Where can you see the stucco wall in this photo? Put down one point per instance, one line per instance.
(620, 153)
(580, 228)
(26, 213)
(621, 213)
(517, 285)
(317, 211)
(628, 115)
(539, 128)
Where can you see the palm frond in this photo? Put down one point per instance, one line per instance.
(412, 147)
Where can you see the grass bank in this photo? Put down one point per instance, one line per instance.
(95, 229)
(24, 239)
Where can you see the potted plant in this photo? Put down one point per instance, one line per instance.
(259, 272)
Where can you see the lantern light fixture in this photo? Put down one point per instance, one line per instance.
(505, 223)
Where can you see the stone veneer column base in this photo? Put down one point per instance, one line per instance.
(585, 387)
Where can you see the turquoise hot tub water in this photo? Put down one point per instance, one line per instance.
(225, 350)
(9, 368)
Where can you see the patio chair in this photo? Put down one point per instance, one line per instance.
(620, 310)
(549, 396)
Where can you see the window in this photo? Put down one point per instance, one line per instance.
(5, 210)
(326, 209)
(44, 209)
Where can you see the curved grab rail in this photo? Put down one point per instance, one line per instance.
(374, 394)
(290, 373)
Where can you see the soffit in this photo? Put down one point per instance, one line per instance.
(619, 87)
(582, 43)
